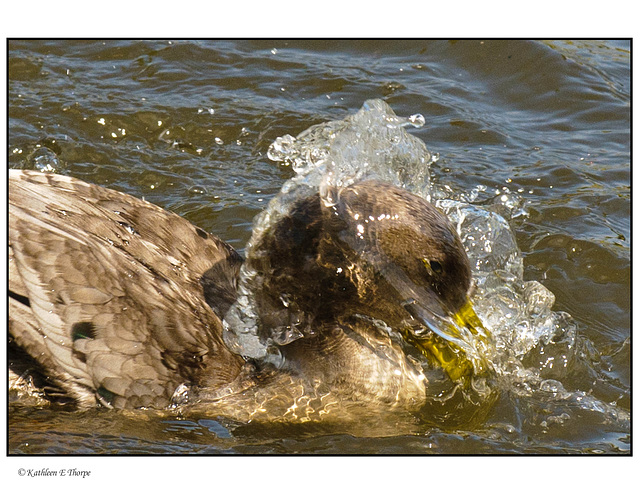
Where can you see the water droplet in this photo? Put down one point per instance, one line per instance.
(44, 160)
(282, 148)
(197, 190)
(417, 120)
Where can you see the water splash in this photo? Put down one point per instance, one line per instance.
(369, 144)
(373, 143)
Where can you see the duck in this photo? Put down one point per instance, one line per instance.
(115, 302)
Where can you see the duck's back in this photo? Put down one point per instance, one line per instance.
(118, 300)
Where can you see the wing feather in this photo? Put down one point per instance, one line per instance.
(110, 295)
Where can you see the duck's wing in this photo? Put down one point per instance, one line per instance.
(106, 293)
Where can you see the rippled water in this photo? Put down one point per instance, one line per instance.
(533, 140)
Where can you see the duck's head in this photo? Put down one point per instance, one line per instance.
(376, 251)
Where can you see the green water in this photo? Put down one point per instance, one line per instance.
(187, 124)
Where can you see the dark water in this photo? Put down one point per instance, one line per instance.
(187, 124)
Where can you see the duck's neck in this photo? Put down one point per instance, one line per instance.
(356, 358)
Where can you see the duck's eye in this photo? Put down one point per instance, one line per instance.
(432, 266)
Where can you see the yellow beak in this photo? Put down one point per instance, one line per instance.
(459, 348)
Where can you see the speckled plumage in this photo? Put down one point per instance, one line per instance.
(129, 272)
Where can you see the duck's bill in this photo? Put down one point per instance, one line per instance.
(456, 343)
